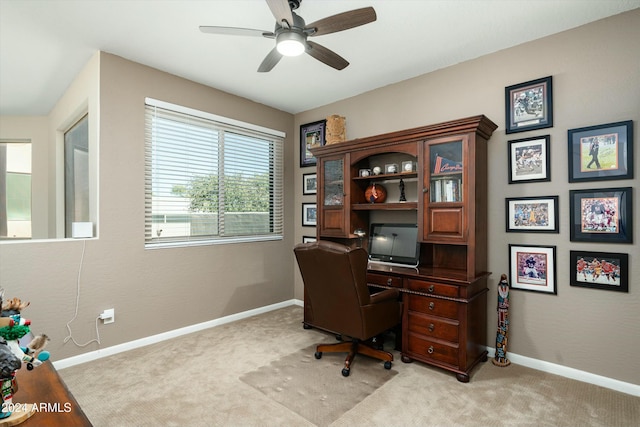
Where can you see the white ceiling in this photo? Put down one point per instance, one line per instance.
(44, 44)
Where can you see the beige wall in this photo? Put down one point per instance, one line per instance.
(152, 291)
(596, 80)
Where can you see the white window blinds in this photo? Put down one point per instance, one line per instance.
(209, 179)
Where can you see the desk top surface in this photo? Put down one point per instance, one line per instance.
(456, 277)
(56, 405)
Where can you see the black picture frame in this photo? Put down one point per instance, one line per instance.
(609, 146)
(529, 105)
(533, 268)
(532, 214)
(529, 159)
(311, 135)
(599, 270)
(309, 214)
(309, 239)
(309, 184)
(601, 215)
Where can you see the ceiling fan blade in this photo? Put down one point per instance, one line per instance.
(343, 21)
(325, 55)
(235, 31)
(270, 61)
(281, 11)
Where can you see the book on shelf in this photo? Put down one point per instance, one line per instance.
(446, 190)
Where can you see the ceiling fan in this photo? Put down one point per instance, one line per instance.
(291, 33)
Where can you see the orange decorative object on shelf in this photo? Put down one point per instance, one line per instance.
(375, 193)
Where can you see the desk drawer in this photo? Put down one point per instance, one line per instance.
(385, 280)
(421, 348)
(433, 288)
(433, 306)
(433, 327)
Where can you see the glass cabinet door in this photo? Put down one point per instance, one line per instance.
(446, 165)
(333, 182)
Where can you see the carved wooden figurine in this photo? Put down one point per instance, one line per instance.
(500, 358)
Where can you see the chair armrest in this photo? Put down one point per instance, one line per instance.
(387, 294)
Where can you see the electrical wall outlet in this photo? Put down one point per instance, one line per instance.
(108, 316)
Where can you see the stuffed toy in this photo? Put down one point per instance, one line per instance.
(14, 327)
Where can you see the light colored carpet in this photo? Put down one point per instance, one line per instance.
(195, 380)
(315, 388)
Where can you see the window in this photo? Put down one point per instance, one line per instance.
(76, 174)
(210, 179)
(15, 190)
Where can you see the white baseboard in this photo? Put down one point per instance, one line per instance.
(575, 374)
(109, 351)
(541, 365)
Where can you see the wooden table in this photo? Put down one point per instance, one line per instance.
(56, 405)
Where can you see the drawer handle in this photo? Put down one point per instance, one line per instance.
(430, 350)
(389, 281)
(432, 305)
(431, 288)
(431, 327)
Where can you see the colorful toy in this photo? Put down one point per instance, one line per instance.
(13, 328)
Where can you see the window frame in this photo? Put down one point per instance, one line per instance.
(276, 176)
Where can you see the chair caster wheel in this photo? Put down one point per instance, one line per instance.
(345, 372)
(318, 354)
(387, 365)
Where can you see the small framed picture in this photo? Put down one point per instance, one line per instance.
(599, 270)
(533, 268)
(365, 172)
(309, 183)
(308, 239)
(391, 168)
(529, 106)
(309, 214)
(311, 135)
(532, 214)
(601, 215)
(529, 160)
(602, 152)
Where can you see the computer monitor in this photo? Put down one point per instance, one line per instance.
(394, 244)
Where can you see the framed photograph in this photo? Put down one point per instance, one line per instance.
(529, 106)
(533, 268)
(599, 270)
(309, 214)
(601, 215)
(311, 135)
(602, 152)
(529, 160)
(532, 214)
(309, 183)
(365, 172)
(308, 239)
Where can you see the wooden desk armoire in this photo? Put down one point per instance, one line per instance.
(440, 171)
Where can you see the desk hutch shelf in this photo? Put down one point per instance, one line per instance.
(445, 297)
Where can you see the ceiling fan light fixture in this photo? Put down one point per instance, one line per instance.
(290, 43)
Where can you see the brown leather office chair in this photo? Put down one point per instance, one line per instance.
(335, 282)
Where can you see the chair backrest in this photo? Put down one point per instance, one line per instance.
(335, 281)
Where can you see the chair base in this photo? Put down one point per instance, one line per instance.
(352, 348)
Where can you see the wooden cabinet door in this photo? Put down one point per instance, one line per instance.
(332, 203)
(445, 190)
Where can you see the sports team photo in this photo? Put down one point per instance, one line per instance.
(600, 270)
